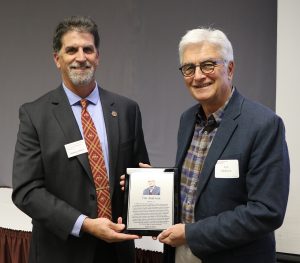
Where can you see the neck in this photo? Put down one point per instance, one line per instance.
(210, 107)
(82, 91)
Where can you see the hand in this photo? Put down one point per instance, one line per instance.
(173, 236)
(122, 177)
(122, 182)
(106, 230)
(144, 165)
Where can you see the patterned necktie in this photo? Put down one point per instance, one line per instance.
(97, 163)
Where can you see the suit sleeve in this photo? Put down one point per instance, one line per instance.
(29, 191)
(266, 186)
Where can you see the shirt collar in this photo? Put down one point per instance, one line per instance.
(75, 99)
(215, 116)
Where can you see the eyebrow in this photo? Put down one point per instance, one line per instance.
(206, 60)
(76, 47)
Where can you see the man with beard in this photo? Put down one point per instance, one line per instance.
(73, 145)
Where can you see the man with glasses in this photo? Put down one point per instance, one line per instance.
(233, 163)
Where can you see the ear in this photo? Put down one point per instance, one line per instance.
(56, 59)
(230, 69)
(98, 57)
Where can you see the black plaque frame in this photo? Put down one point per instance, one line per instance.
(144, 231)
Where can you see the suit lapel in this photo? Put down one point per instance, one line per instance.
(217, 147)
(223, 135)
(110, 114)
(65, 117)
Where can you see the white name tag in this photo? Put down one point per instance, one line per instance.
(75, 148)
(227, 169)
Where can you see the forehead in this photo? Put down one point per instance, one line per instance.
(195, 53)
(76, 38)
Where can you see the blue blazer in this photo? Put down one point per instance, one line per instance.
(235, 218)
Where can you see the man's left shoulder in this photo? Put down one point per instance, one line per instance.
(116, 98)
(257, 109)
(249, 106)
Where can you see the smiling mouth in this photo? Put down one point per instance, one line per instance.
(80, 68)
(203, 85)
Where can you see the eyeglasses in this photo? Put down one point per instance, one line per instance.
(206, 67)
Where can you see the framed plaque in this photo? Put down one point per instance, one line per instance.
(149, 200)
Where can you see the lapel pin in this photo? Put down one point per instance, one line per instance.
(114, 113)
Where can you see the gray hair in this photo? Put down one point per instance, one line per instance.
(207, 35)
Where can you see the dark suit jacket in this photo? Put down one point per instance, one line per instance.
(235, 218)
(54, 189)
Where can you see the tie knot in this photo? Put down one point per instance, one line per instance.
(84, 103)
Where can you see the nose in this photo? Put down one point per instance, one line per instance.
(80, 55)
(198, 74)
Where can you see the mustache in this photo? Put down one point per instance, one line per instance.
(76, 65)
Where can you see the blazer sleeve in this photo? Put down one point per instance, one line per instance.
(29, 191)
(266, 166)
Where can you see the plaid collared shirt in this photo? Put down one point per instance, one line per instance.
(204, 133)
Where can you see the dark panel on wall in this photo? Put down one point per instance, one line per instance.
(138, 58)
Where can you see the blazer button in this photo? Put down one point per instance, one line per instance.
(92, 197)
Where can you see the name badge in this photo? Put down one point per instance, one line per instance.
(75, 148)
(227, 169)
